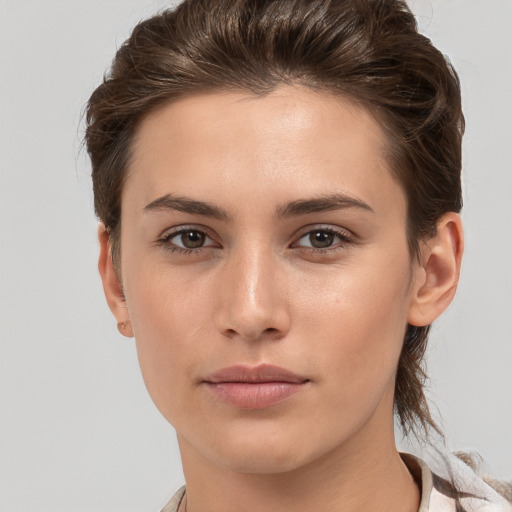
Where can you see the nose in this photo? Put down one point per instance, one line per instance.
(252, 296)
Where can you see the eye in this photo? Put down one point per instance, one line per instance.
(322, 238)
(189, 239)
(186, 239)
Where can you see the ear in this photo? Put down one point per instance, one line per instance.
(111, 284)
(437, 274)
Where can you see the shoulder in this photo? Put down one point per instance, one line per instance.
(462, 490)
(174, 503)
(500, 486)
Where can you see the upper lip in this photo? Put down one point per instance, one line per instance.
(254, 374)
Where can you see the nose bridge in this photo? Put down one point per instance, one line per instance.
(255, 266)
(253, 302)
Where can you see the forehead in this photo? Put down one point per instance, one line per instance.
(291, 142)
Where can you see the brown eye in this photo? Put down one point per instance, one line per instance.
(187, 239)
(192, 239)
(321, 239)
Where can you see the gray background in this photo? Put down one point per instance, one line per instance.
(77, 429)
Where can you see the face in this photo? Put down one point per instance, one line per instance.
(267, 277)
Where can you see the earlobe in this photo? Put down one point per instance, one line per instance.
(111, 284)
(437, 274)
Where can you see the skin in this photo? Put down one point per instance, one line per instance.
(258, 291)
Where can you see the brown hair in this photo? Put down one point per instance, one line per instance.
(367, 50)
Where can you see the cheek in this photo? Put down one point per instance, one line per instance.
(169, 319)
(358, 323)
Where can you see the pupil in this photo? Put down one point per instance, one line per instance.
(321, 239)
(193, 239)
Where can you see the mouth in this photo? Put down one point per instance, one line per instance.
(258, 387)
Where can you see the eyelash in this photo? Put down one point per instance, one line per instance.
(344, 240)
(165, 241)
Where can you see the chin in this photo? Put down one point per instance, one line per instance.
(263, 452)
(263, 460)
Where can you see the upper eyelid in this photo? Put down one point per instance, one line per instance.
(347, 233)
(176, 230)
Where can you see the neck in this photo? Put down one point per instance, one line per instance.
(364, 473)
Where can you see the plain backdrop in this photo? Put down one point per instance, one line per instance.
(78, 431)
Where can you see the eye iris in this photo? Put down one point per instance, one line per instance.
(192, 239)
(321, 239)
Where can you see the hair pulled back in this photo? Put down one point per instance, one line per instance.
(366, 50)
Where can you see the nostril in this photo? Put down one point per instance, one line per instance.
(230, 333)
(271, 333)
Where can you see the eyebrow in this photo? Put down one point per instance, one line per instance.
(186, 205)
(321, 204)
(294, 208)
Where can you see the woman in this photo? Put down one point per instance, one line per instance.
(278, 184)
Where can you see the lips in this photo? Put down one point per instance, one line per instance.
(256, 387)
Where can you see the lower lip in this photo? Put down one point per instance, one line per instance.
(257, 395)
